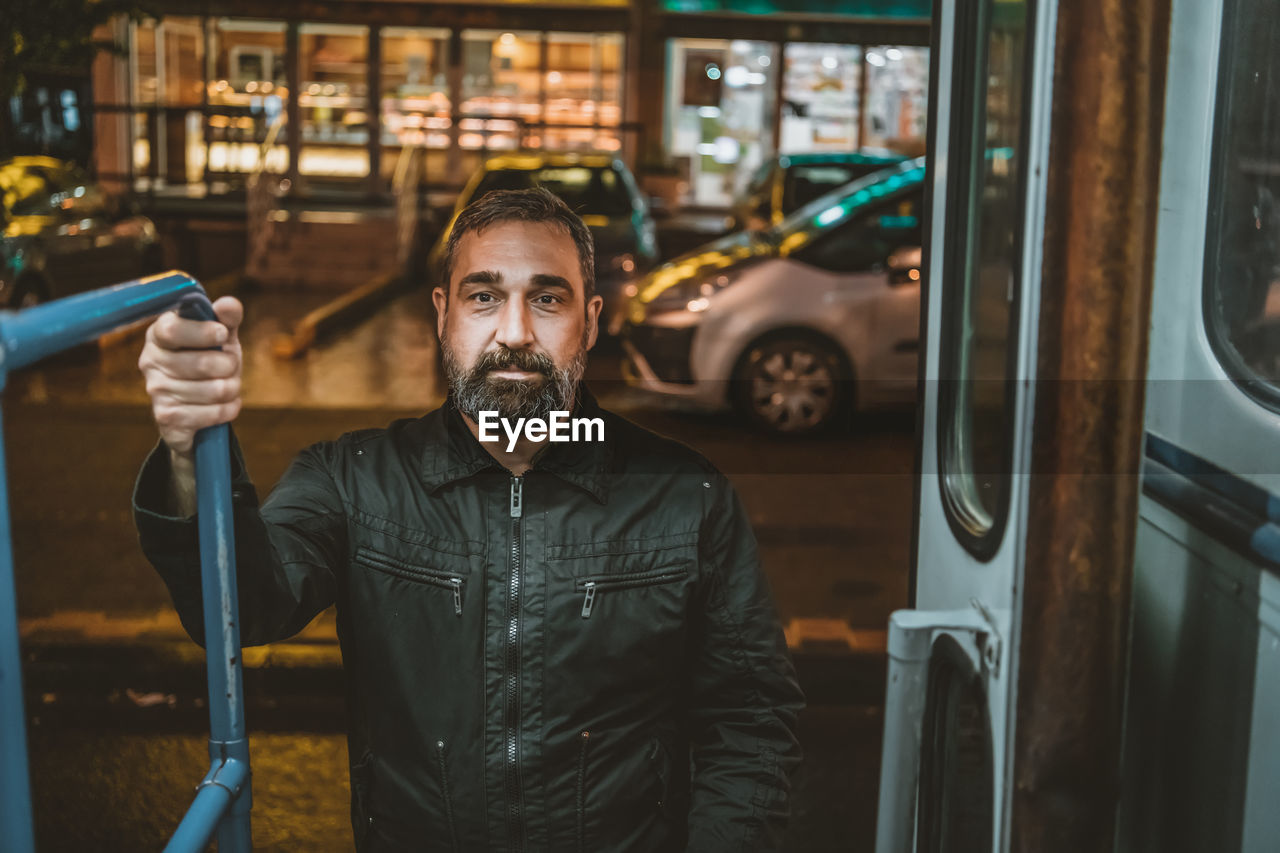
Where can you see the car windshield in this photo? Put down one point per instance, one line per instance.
(839, 205)
(808, 181)
(38, 189)
(588, 190)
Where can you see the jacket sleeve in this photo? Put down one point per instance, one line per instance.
(744, 698)
(288, 552)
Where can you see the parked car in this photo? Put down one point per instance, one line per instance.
(599, 188)
(788, 182)
(794, 325)
(61, 233)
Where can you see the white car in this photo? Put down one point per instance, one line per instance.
(795, 325)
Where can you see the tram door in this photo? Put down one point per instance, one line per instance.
(1202, 736)
(953, 657)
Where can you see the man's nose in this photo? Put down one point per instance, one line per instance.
(514, 329)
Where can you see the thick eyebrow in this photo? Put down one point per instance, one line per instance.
(539, 280)
(480, 277)
(548, 280)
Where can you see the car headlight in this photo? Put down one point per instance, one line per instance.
(693, 293)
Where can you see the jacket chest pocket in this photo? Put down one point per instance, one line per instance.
(452, 579)
(641, 581)
(599, 585)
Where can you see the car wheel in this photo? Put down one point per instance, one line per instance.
(792, 384)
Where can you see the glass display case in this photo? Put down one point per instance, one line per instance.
(333, 100)
(247, 93)
(583, 88)
(501, 88)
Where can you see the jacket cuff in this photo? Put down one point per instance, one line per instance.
(152, 502)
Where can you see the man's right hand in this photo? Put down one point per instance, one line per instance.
(191, 385)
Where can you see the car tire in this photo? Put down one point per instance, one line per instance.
(27, 292)
(793, 383)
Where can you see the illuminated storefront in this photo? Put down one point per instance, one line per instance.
(802, 76)
(704, 89)
(210, 99)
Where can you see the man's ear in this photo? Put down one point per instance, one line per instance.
(440, 299)
(594, 304)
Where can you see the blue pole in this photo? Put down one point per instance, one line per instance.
(217, 792)
(227, 741)
(16, 835)
(30, 335)
(223, 799)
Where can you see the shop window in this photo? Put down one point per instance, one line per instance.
(1242, 254)
(897, 98)
(415, 102)
(333, 100)
(169, 74)
(981, 271)
(720, 109)
(583, 88)
(502, 88)
(820, 98)
(247, 94)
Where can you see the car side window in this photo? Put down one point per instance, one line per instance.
(805, 183)
(865, 241)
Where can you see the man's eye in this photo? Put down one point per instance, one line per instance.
(482, 297)
(546, 299)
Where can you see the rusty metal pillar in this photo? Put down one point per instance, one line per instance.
(1099, 246)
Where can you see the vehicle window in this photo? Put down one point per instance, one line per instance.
(866, 241)
(1242, 252)
(588, 191)
(28, 191)
(980, 272)
(35, 190)
(805, 183)
(598, 191)
(503, 179)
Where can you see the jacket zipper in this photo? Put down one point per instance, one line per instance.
(448, 797)
(591, 586)
(514, 818)
(584, 741)
(398, 569)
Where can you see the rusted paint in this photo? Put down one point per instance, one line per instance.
(1096, 292)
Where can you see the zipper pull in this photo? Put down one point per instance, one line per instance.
(589, 600)
(457, 595)
(517, 498)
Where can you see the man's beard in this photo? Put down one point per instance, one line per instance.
(553, 389)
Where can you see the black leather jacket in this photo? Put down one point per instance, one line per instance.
(584, 658)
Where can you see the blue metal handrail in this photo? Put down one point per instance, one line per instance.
(223, 799)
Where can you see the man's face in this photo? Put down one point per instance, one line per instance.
(516, 326)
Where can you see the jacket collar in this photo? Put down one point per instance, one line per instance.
(451, 452)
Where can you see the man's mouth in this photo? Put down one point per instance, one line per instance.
(512, 373)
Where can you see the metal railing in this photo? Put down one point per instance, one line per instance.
(223, 798)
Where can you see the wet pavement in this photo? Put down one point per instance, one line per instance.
(126, 791)
(116, 690)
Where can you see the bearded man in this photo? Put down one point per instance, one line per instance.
(547, 647)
